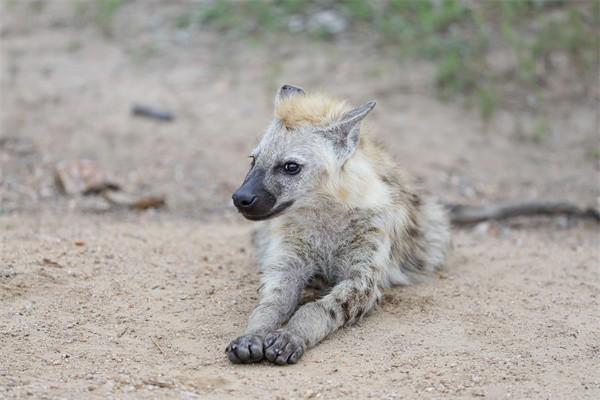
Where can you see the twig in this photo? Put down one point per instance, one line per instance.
(157, 346)
(148, 112)
(160, 384)
(120, 199)
(130, 235)
(50, 263)
(461, 214)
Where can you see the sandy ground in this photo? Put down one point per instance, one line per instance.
(144, 309)
(141, 305)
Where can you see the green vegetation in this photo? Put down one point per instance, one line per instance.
(492, 54)
(594, 154)
(458, 37)
(251, 16)
(105, 10)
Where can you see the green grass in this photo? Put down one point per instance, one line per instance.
(183, 21)
(594, 154)
(104, 13)
(456, 36)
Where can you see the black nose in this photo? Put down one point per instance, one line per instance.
(243, 200)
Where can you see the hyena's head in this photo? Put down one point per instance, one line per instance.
(310, 138)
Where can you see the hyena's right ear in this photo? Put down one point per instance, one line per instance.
(345, 133)
(288, 91)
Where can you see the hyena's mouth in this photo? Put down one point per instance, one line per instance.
(273, 213)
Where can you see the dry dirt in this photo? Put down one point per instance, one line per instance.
(116, 304)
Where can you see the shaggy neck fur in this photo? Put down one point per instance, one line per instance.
(358, 183)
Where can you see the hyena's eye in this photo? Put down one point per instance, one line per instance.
(291, 168)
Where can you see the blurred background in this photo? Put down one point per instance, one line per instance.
(108, 105)
(483, 101)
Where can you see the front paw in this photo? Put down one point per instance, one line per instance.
(245, 349)
(283, 347)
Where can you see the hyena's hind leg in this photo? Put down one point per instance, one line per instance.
(436, 228)
(347, 302)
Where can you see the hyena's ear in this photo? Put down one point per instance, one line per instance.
(287, 91)
(345, 133)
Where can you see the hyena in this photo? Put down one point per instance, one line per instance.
(339, 216)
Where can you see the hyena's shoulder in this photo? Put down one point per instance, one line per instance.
(416, 224)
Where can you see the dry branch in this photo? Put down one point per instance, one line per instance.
(152, 113)
(461, 214)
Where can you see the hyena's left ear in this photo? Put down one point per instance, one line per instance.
(287, 91)
(345, 133)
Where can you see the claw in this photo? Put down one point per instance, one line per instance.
(283, 347)
(270, 340)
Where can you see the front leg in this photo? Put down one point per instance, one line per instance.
(280, 293)
(347, 302)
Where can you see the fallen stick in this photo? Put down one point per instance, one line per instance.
(121, 199)
(160, 384)
(148, 112)
(461, 214)
(157, 346)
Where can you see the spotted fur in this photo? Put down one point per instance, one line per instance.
(356, 224)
